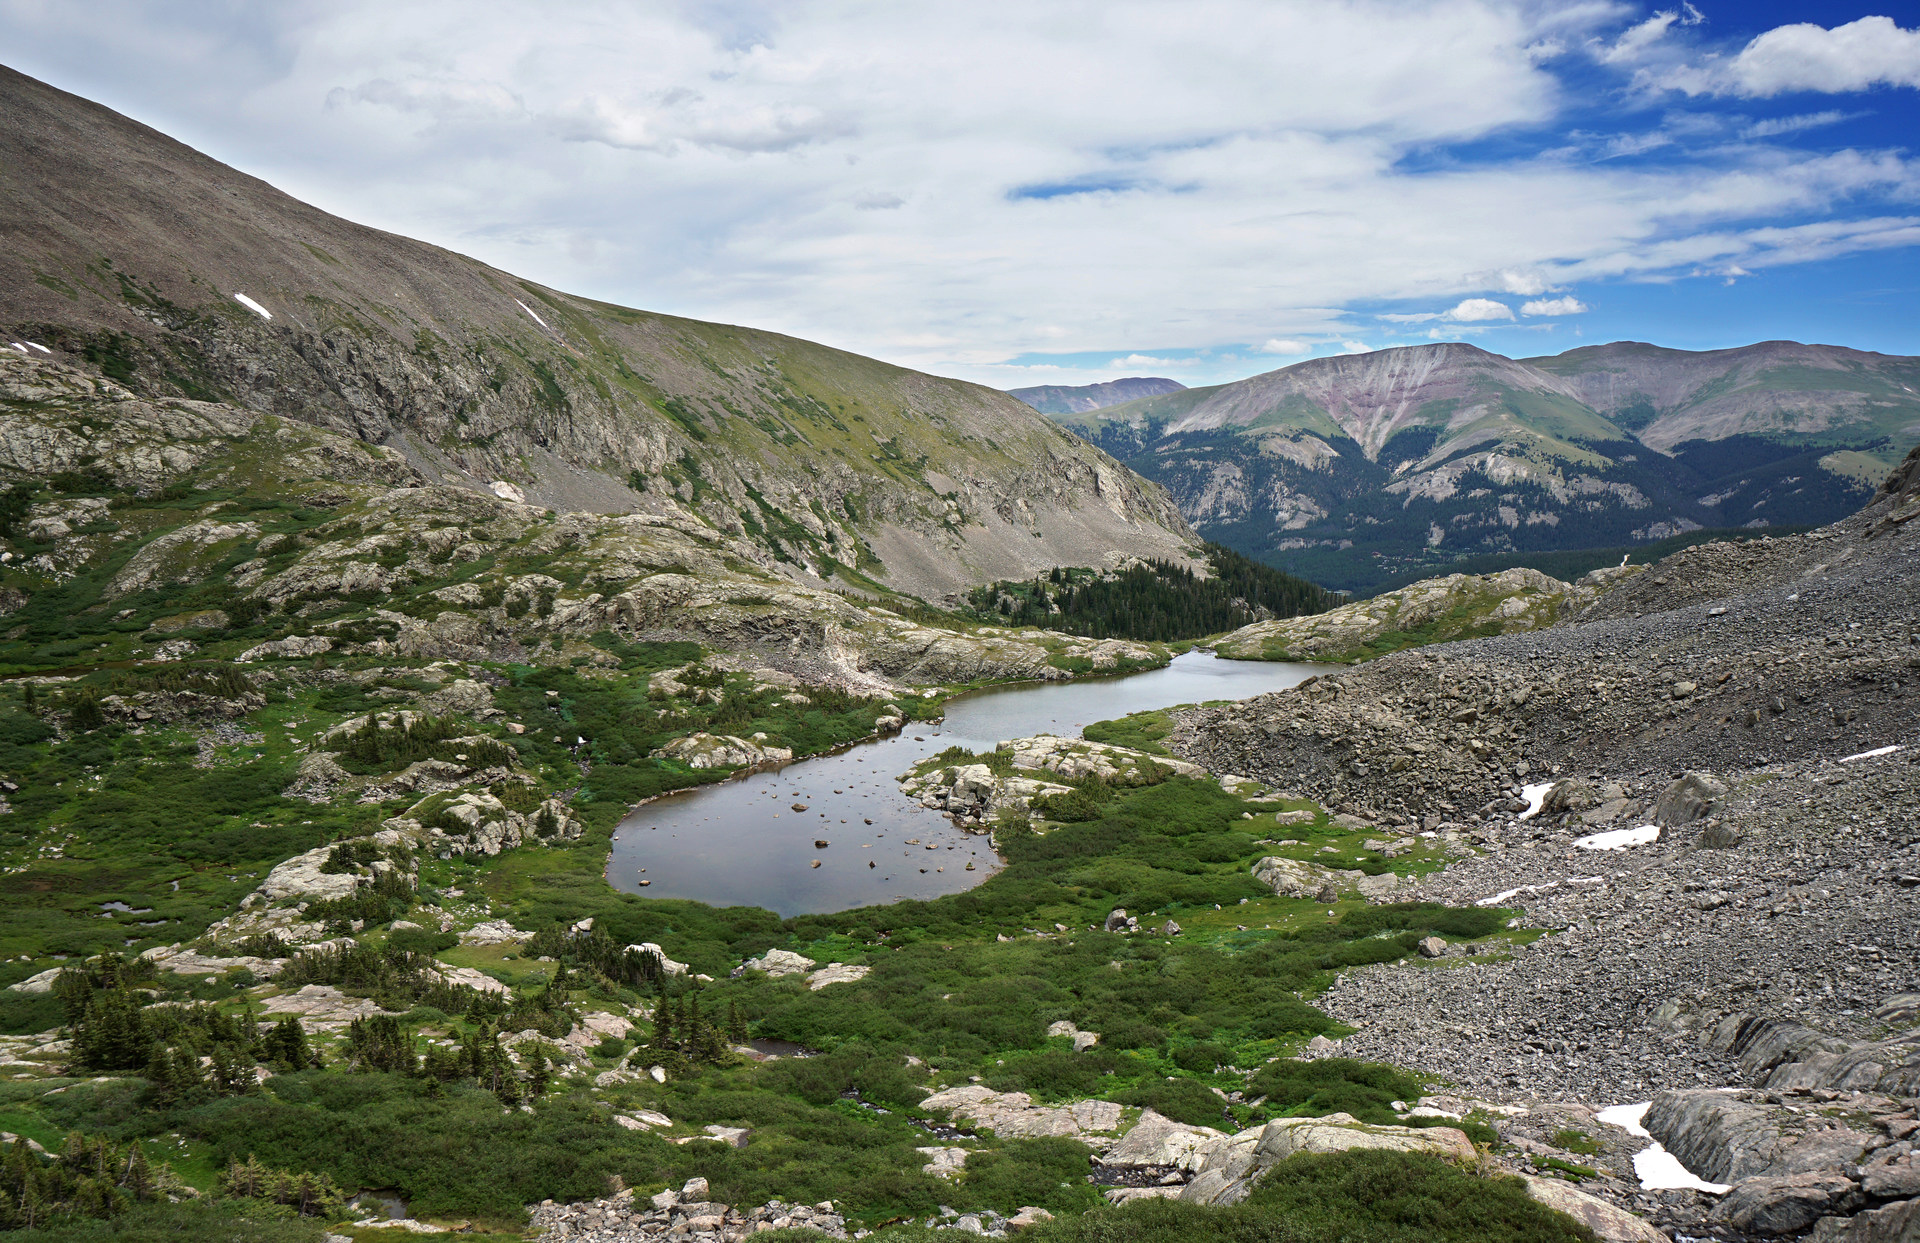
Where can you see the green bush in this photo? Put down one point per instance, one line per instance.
(1183, 1100)
(1351, 1197)
(1327, 1085)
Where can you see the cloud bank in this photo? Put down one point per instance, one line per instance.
(962, 187)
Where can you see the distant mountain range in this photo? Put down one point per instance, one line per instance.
(1079, 399)
(1359, 468)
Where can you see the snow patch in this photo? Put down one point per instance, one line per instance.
(1627, 1118)
(1504, 894)
(1658, 1169)
(1619, 839)
(1536, 796)
(43, 349)
(1867, 755)
(253, 306)
(16, 345)
(529, 310)
(508, 492)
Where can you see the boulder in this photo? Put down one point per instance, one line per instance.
(1786, 1204)
(837, 973)
(1691, 796)
(1013, 1115)
(1227, 1168)
(1896, 1223)
(777, 963)
(290, 648)
(943, 1162)
(703, 750)
(300, 877)
(493, 932)
(1158, 1140)
(1613, 1225)
(1433, 947)
(667, 965)
(1571, 795)
(41, 983)
(1293, 878)
(1891, 1177)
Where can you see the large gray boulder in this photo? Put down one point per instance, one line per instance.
(1158, 1140)
(1612, 1224)
(1896, 1223)
(1691, 796)
(1786, 1204)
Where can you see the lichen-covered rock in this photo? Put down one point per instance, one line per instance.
(703, 750)
(1013, 1115)
(837, 973)
(1158, 1140)
(778, 962)
(290, 648)
(1611, 1223)
(300, 877)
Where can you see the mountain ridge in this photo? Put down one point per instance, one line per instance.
(1343, 466)
(1082, 398)
(126, 250)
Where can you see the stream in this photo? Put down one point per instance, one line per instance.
(741, 842)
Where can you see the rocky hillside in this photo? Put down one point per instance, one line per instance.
(229, 529)
(1080, 398)
(1353, 468)
(1702, 783)
(172, 275)
(1434, 610)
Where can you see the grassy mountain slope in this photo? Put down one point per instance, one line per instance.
(125, 250)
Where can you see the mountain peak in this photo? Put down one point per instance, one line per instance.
(1082, 398)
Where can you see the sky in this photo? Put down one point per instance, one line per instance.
(1027, 192)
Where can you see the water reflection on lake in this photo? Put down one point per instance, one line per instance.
(742, 843)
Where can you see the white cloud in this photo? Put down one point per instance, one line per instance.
(1775, 126)
(1525, 283)
(1869, 52)
(1355, 347)
(1281, 345)
(1553, 306)
(952, 186)
(1640, 39)
(1147, 360)
(1479, 310)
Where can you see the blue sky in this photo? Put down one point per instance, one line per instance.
(1024, 193)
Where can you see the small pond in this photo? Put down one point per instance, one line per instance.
(741, 843)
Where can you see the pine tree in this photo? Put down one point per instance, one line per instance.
(539, 1071)
(136, 1177)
